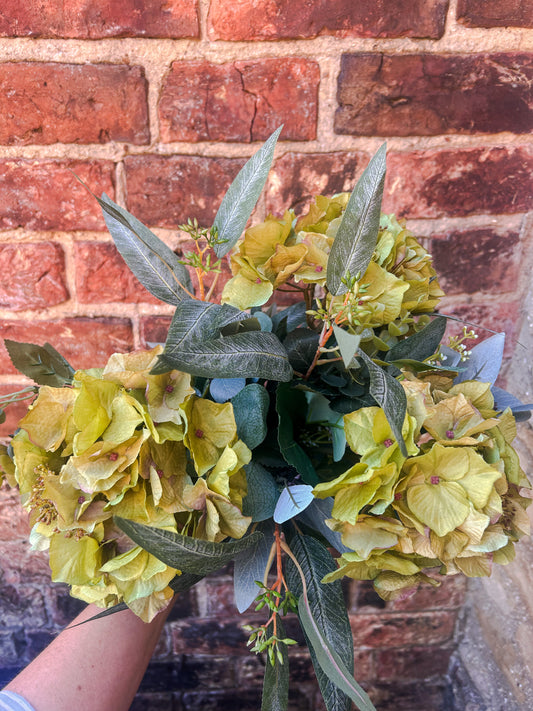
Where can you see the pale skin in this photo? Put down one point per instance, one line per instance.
(98, 665)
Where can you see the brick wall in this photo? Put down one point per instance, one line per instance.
(159, 107)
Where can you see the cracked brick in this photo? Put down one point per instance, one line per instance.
(495, 13)
(240, 101)
(48, 102)
(432, 94)
(37, 276)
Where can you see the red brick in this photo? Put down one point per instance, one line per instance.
(449, 595)
(13, 518)
(282, 19)
(410, 696)
(99, 18)
(297, 177)
(36, 276)
(459, 182)
(15, 412)
(84, 342)
(413, 663)
(476, 260)
(103, 277)
(154, 329)
(495, 13)
(432, 94)
(167, 190)
(240, 101)
(45, 195)
(72, 103)
(402, 630)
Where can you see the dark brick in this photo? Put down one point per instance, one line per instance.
(297, 178)
(495, 13)
(153, 702)
(200, 636)
(45, 195)
(395, 696)
(84, 342)
(432, 94)
(459, 182)
(17, 604)
(477, 260)
(72, 103)
(35, 276)
(37, 641)
(154, 329)
(184, 606)
(400, 630)
(267, 20)
(240, 101)
(100, 18)
(167, 190)
(413, 663)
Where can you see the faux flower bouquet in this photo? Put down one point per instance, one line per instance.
(268, 436)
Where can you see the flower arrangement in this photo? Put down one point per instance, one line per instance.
(269, 436)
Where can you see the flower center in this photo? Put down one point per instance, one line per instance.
(113, 456)
(450, 434)
(199, 433)
(319, 268)
(169, 389)
(81, 499)
(435, 479)
(388, 443)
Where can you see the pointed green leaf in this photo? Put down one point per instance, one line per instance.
(183, 552)
(250, 407)
(328, 609)
(357, 235)
(348, 344)
(291, 406)
(301, 345)
(389, 395)
(250, 566)
(276, 680)
(263, 493)
(43, 364)
(154, 264)
(242, 195)
(421, 345)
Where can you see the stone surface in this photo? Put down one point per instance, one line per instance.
(84, 342)
(45, 195)
(99, 18)
(495, 13)
(459, 182)
(281, 19)
(103, 277)
(240, 101)
(166, 190)
(477, 260)
(36, 276)
(432, 94)
(73, 103)
(297, 177)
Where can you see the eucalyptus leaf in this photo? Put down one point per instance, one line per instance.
(250, 566)
(485, 361)
(421, 345)
(286, 320)
(390, 395)
(276, 679)
(327, 608)
(291, 406)
(357, 235)
(250, 408)
(292, 501)
(503, 400)
(301, 346)
(154, 264)
(348, 344)
(263, 493)
(43, 364)
(242, 195)
(223, 389)
(315, 516)
(184, 553)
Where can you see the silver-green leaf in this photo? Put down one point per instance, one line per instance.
(357, 235)
(242, 195)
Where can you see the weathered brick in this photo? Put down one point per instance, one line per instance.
(19, 565)
(240, 101)
(167, 190)
(84, 342)
(459, 182)
(15, 412)
(99, 18)
(450, 595)
(154, 329)
(410, 696)
(402, 630)
(102, 276)
(200, 636)
(476, 260)
(297, 177)
(414, 663)
(35, 276)
(13, 518)
(153, 702)
(495, 13)
(503, 316)
(220, 598)
(269, 20)
(9, 651)
(72, 103)
(17, 603)
(410, 95)
(45, 195)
